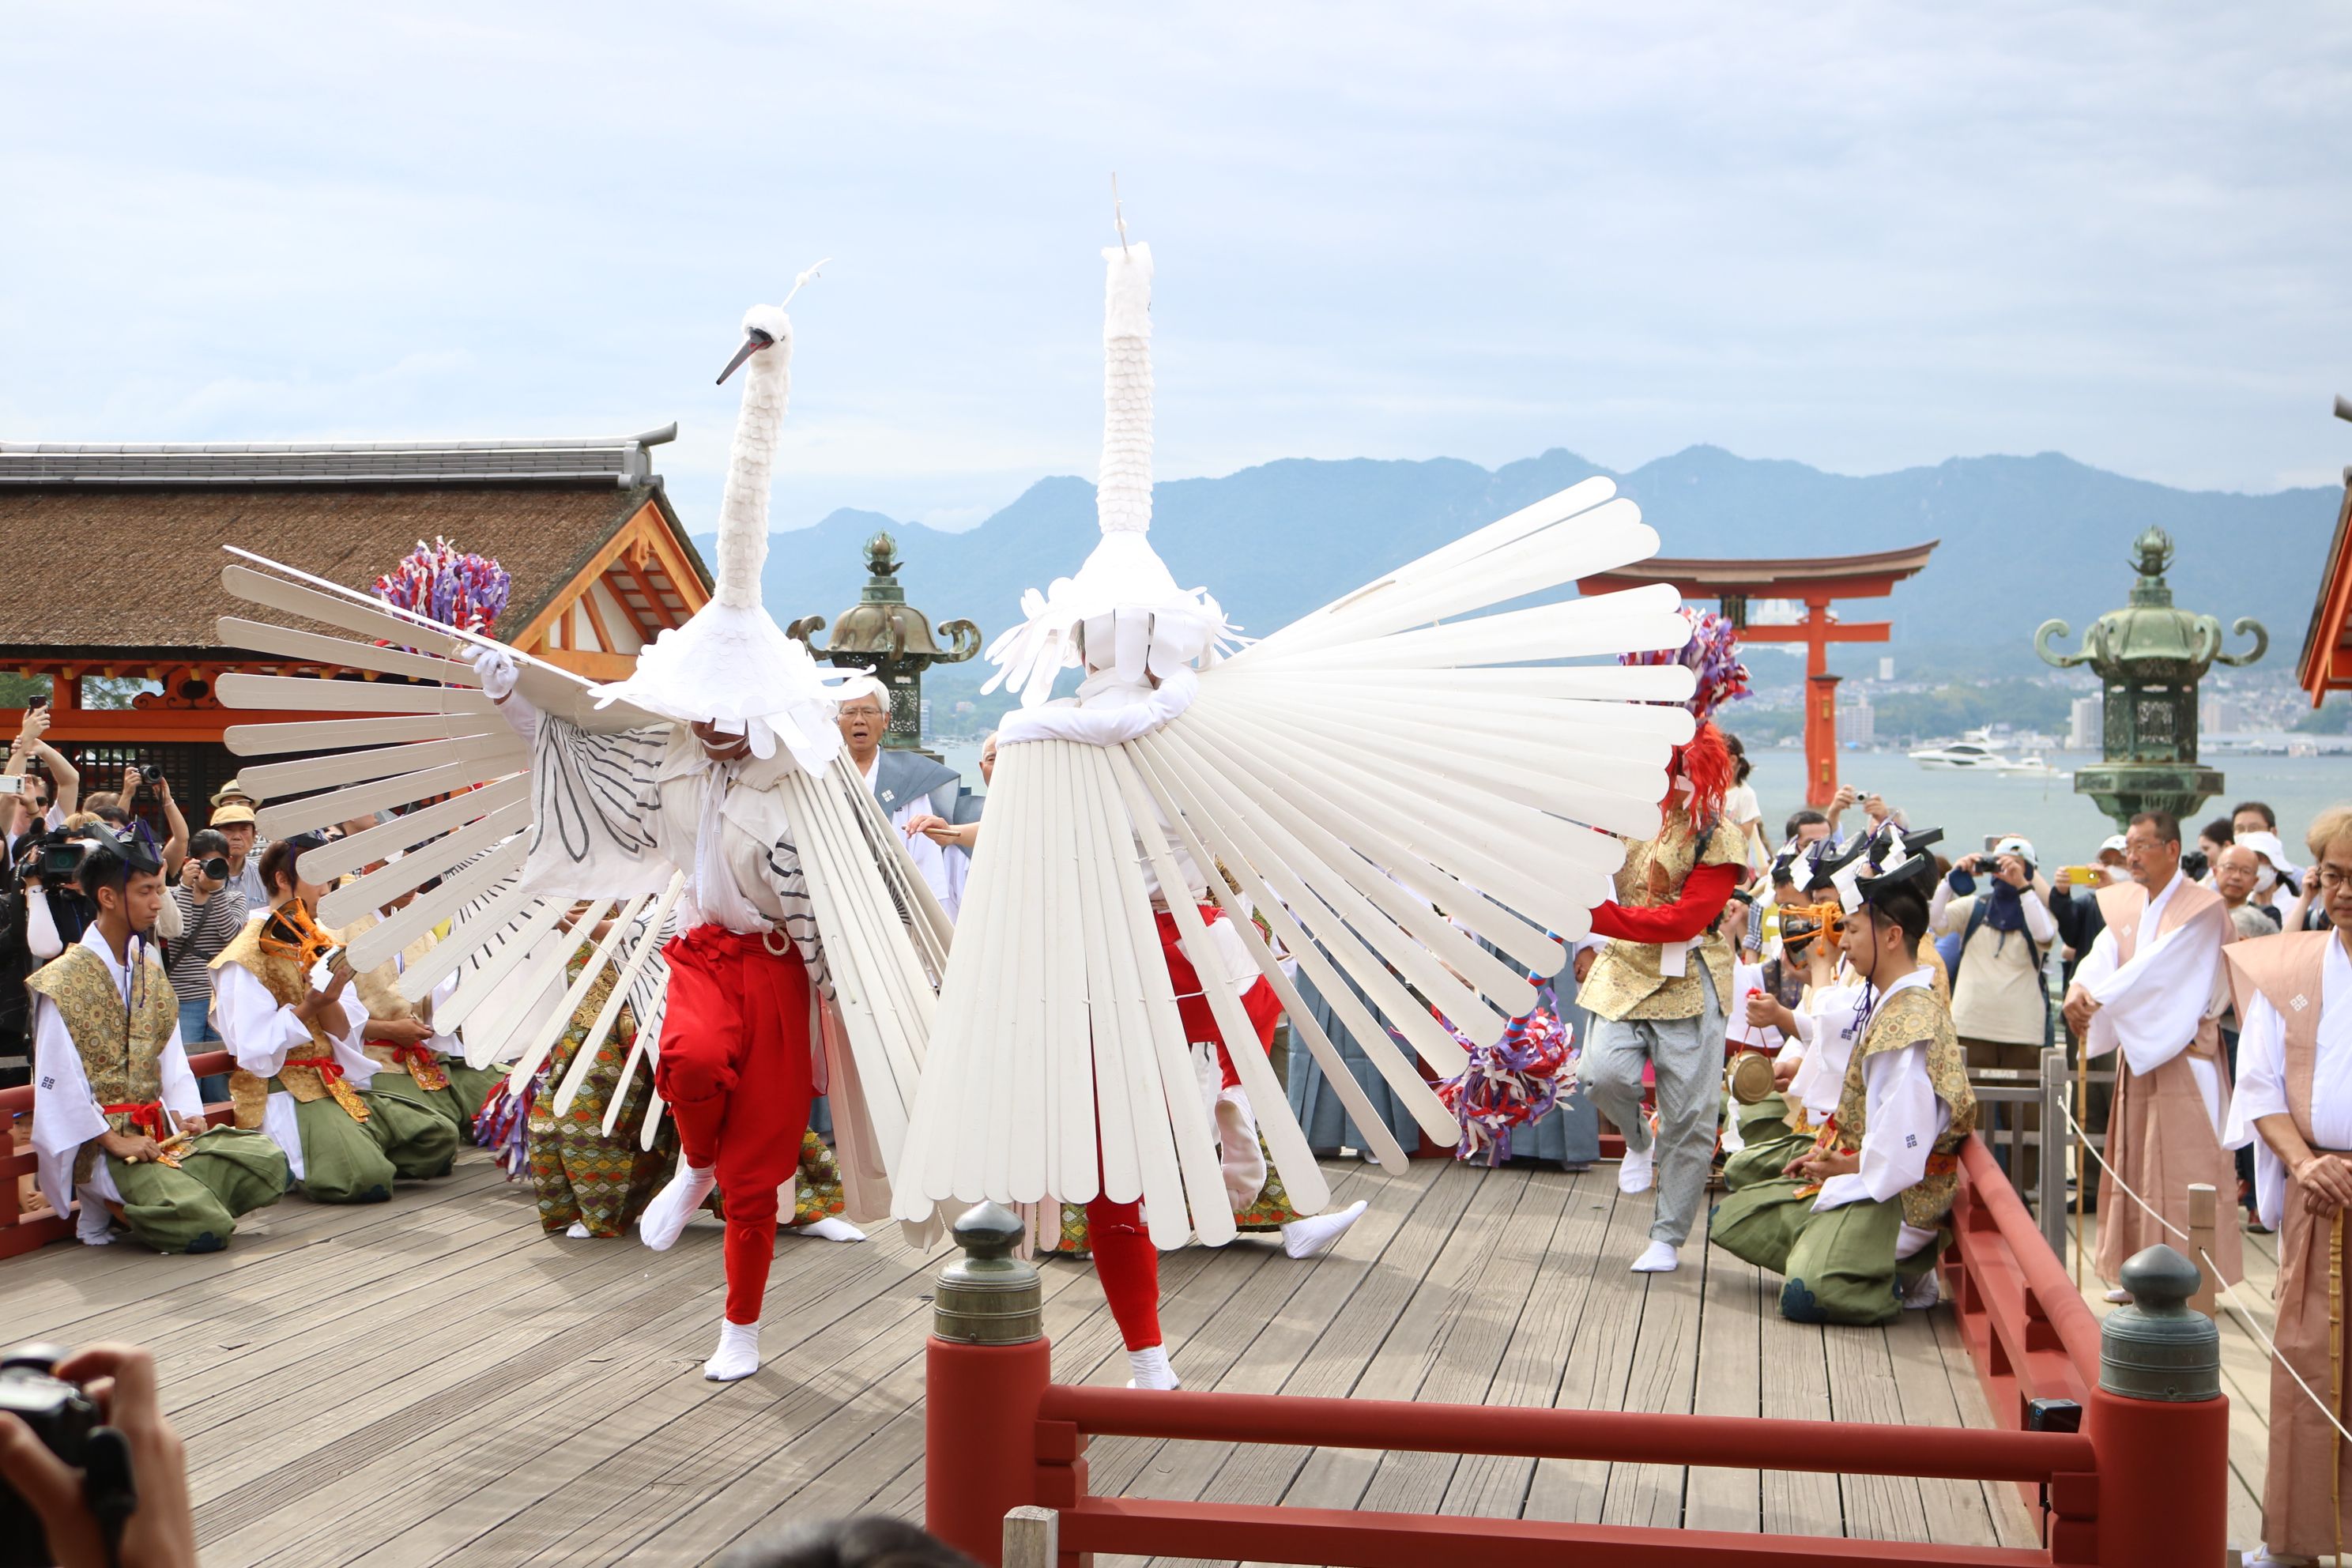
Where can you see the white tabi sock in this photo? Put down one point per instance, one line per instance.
(1305, 1238)
(1152, 1369)
(830, 1228)
(577, 1230)
(674, 1205)
(2119, 1295)
(1922, 1294)
(93, 1226)
(1658, 1258)
(737, 1355)
(1634, 1170)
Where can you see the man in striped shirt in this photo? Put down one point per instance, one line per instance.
(212, 911)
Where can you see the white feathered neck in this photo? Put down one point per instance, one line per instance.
(731, 664)
(1123, 601)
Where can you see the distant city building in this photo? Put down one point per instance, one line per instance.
(925, 706)
(1857, 724)
(2082, 724)
(2219, 715)
(1885, 669)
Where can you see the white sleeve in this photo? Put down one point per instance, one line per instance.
(2040, 923)
(41, 937)
(258, 1031)
(181, 1096)
(64, 1111)
(1103, 726)
(170, 920)
(446, 1042)
(1939, 903)
(1904, 1119)
(2260, 1091)
(2155, 1003)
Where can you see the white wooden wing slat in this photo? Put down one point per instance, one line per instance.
(497, 960)
(314, 647)
(404, 833)
(1450, 994)
(1550, 510)
(413, 870)
(1310, 1193)
(1381, 1143)
(1313, 934)
(304, 692)
(429, 910)
(1322, 967)
(469, 929)
(1501, 847)
(365, 617)
(1465, 881)
(492, 755)
(535, 1052)
(1439, 958)
(285, 819)
(640, 949)
(335, 734)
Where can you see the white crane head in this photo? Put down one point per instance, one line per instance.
(766, 326)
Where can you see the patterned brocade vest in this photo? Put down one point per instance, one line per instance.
(288, 986)
(1626, 980)
(122, 1050)
(1909, 1018)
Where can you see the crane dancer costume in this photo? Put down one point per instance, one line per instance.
(709, 784)
(1356, 774)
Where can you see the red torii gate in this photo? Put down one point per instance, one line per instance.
(1812, 581)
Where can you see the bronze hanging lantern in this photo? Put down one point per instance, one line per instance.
(884, 634)
(2149, 657)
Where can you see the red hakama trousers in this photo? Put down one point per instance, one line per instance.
(1125, 1260)
(735, 1071)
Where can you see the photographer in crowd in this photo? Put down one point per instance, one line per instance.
(211, 912)
(234, 820)
(161, 1532)
(2000, 909)
(41, 805)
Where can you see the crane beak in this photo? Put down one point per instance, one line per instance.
(753, 342)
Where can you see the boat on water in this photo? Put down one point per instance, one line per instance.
(1976, 755)
(1981, 753)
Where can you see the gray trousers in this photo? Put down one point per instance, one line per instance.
(1686, 1055)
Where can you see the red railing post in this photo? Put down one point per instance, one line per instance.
(986, 1368)
(2160, 1422)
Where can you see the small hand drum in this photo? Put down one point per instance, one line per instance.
(1747, 1078)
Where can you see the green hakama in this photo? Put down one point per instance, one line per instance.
(193, 1208)
(1837, 1268)
(342, 1160)
(418, 1135)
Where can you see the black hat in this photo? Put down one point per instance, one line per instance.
(134, 845)
(1828, 861)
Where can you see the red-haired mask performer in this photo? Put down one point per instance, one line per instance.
(1657, 991)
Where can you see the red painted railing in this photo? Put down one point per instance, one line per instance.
(2144, 1483)
(2029, 1330)
(19, 1233)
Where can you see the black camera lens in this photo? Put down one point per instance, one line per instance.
(217, 868)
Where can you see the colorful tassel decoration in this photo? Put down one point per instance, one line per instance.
(1515, 1080)
(457, 588)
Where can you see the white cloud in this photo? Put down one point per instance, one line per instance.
(1863, 237)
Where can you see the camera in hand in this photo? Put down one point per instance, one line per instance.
(66, 1422)
(215, 867)
(61, 857)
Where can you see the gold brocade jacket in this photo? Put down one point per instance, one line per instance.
(1626, 980)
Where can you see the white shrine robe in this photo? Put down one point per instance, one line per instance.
(262, 1034)
(1904, 1116)
(65, 1113)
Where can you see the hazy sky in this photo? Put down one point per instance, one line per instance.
(1861, 236)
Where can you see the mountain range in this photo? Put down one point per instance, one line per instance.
(2022, 539)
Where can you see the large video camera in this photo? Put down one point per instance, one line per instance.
(66, 1422)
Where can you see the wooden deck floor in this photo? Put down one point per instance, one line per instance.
(432, 1380)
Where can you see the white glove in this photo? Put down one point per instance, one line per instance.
(497, 668)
